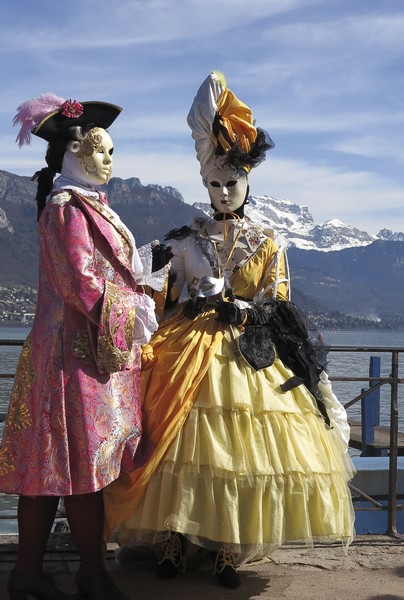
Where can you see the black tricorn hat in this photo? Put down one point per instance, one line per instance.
(50, 117)
(56, 124)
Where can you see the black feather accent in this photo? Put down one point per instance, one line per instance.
(256, 155)
(179, 233)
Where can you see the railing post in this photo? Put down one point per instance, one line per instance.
(392, 508)
(370, 408)
(367, 424)
(374, 371)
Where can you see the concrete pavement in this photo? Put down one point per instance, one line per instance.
(373, 569)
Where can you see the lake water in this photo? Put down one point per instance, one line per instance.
(356, 364)
(343, 364)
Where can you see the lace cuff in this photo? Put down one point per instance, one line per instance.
(146, 322)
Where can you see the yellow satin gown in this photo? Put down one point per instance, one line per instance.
(234, 458)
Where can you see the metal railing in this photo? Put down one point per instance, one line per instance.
(393, 380)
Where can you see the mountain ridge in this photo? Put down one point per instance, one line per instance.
(295, 227)
(328, 262)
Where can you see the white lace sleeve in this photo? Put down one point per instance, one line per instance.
(335, 410)
(340, 429)
(145, 276)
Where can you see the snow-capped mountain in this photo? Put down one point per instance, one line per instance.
(389, 236)
(295, 227)
(334, 288)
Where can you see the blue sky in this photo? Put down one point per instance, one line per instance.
(324, 78)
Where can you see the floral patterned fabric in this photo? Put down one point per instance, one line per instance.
(74, 419)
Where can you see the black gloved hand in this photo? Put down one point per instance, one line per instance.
(194, 307)
(258, 315)
(230, 313)
(161, 256)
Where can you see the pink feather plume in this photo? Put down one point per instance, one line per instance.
(30, 114)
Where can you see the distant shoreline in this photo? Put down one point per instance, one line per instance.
(361, 327)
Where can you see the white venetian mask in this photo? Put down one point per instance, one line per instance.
(95, 156)
(227, 188)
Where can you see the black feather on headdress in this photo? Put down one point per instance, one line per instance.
(256, 155)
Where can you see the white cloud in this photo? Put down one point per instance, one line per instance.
(373, 146)
(363, 29)
(354, 197)
(134, 22)
(324, 78)
(360, 198)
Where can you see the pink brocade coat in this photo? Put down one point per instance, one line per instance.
(74, 420)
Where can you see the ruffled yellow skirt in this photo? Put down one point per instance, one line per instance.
(251, 465)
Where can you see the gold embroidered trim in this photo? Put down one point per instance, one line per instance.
(81, 345)
(18, 416)
(130, 328)
(6, 461)
(61, 198)
(110, 357)
(104, 212)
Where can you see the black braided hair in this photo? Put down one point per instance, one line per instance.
(54, 158)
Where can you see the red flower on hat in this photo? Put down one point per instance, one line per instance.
(72, 109)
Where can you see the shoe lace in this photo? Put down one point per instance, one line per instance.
(172, 550)
(226, 557)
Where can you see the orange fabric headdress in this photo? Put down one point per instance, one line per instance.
(233, 124)
(223, 126)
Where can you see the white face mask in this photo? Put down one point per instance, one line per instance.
(95, 156)
(227, 189)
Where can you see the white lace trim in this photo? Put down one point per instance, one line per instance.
(155, 280)
(145, 322)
